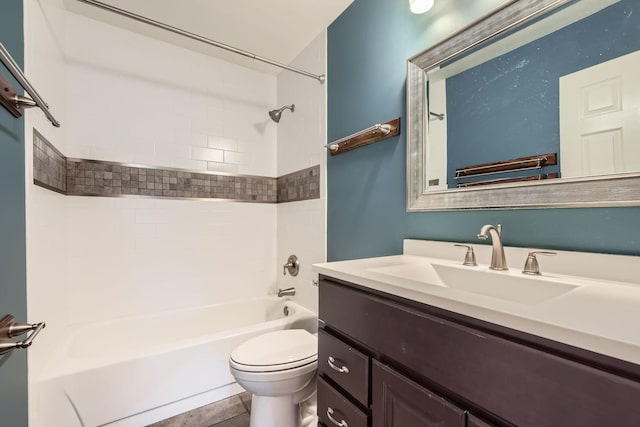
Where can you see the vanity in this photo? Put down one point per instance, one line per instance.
(420, 340)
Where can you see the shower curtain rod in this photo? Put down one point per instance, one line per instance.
(321, 78)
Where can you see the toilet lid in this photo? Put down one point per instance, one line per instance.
(279, 349)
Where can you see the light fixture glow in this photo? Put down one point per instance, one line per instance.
(420, 6)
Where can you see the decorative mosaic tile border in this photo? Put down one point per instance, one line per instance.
(49, 165)
(81, 177)
(98, 178)
(300, 185)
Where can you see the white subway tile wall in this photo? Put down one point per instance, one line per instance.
(222, 143)
(45, 210)
(207, 154)
(168, 117)
(237, 158)
(132, 256)
(301, 137)
(222, 167)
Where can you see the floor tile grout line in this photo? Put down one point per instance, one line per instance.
(248, 408)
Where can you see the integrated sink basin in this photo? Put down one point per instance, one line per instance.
(414, 272)
(505, 285)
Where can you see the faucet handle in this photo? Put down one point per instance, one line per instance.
(531, 265)
(292, 266)
(470, 256)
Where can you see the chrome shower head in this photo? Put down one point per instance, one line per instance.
(276, 114)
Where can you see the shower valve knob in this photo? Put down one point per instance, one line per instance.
(292, 266)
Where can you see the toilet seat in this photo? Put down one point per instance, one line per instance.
(276, 351)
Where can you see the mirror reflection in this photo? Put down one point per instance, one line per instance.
(550, 101)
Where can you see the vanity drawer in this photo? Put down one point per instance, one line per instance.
(334, 408)
(345, 365)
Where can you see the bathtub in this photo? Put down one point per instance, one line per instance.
(134, 371)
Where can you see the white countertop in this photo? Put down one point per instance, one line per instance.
(602, 314)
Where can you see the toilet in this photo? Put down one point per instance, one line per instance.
(279, 370)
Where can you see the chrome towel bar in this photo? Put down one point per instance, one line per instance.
(21, 101)
(9, 328)
(513, 166)
(375, 133)
(537, 161)
(385, 129)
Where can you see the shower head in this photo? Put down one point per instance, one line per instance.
(276, 114)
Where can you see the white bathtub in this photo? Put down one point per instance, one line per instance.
(134, 371)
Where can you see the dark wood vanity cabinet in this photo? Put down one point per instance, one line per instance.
(397, 363)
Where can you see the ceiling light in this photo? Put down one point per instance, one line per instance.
(420, 6)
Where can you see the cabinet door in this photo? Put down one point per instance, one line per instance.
(400, 402)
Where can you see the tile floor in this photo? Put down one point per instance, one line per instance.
(230, 412)
(239, 421)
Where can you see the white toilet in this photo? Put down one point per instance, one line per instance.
(278, 369)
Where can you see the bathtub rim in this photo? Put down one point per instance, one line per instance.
(61, 364)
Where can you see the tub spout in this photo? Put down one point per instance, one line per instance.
(286, 292)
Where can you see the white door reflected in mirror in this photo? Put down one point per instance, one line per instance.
(600, 119)
(436, 161)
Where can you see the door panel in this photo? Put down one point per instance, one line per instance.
(399, 402)
(436, 154)
(13, 367)
(599, 119)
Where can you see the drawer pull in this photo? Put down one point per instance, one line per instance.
(341, 423)
(342, 370)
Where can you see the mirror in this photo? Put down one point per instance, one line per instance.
(506, 117)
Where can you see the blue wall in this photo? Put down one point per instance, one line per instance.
(368, 46)
(13, 368)
(509, 104)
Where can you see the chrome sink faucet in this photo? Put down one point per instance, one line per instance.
(498, 260)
